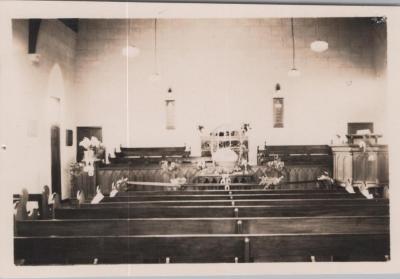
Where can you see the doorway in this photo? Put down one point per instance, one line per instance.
(55, 160)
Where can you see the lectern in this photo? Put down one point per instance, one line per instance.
(362, 161)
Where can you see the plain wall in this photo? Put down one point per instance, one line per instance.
(225, 71)
(32, 108)
(220, 71)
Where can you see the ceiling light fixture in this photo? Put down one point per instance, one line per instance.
(294, 72)
(130, 50)
(318, 45)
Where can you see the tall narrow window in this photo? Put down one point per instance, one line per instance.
(170, 107)
(278, 112)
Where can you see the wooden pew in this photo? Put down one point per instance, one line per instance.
(140, 155)
(41, 199)
(355, 229)
(296, 154)
(238, 202)
(162, 226)
(179, 151)
(200, 248)
(223, 211)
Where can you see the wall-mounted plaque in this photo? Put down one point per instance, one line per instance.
(69, 138)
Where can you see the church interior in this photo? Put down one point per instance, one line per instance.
(198, 140)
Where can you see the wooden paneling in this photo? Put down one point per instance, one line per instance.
(353, 127)
(368, 167)
(86, 184)
(55, 160)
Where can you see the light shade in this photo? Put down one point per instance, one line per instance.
(319, 46)
(154, 77)
(294, 72)
(130, 51)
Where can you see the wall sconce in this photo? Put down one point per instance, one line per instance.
(34, 58)
(277, 88)
(169, 95)
(170, 106)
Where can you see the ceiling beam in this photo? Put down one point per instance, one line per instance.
(271, 2)
(34, 26)
(71, 23)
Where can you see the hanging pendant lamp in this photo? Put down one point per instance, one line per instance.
(293, 72)
(318, 45)
(130, 50)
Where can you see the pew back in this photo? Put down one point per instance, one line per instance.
(221, 211)
(163, 226)
(200, 248)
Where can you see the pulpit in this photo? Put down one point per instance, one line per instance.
(366, 165)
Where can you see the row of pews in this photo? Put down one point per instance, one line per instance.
(198, 225)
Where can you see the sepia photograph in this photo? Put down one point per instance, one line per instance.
(167, 138)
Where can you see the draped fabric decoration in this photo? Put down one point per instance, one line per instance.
(278, 112)
(170, 114)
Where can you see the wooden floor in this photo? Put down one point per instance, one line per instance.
(200, 225)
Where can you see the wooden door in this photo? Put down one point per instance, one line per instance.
(88, 132)
(55, 160)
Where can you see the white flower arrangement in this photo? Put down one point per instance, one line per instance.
(166, 166)
(273, 174)
(275, 165)
(201, 165)
(122, 184)
(92, 144)
(94, 150)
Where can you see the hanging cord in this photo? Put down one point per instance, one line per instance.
(128, 32)
(155, 46)
(293, 45)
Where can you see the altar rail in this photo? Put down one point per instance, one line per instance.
(299, 176)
